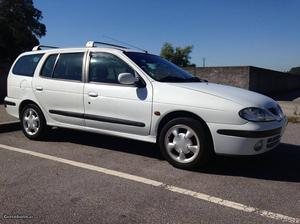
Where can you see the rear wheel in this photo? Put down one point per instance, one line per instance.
(33, 122)
(185, 143)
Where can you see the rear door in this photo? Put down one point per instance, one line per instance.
(59, 87)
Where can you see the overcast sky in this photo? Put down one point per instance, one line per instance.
(263, 33)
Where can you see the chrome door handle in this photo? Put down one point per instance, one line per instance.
(39, 88)
(93, 94)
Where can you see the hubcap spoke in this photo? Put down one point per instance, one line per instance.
(181, 156)
(188, 134)
(175, 132)
(193, 148)
(170, 146)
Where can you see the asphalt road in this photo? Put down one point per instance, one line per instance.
(47, 191)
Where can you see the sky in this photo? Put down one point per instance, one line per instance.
(262, 33)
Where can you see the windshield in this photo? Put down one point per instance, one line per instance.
(160, 69)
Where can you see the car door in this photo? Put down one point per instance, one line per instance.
(59, 87)
(113, 106)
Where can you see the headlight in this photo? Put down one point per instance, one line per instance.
(256, 114)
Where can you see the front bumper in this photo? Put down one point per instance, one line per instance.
(244, 139)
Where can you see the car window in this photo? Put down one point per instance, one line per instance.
(105, 67)
(26, 65)
(69, 66)
(48, 66)
(160, 69)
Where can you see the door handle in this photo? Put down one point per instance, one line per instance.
(93, 94)
(39, 88)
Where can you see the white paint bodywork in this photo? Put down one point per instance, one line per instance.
(217, 105)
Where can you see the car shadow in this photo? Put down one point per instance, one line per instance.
(10, 126)
(104, 141)
(281, 164)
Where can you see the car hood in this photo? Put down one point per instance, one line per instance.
(240, 96)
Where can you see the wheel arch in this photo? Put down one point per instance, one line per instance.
(24, 103)
(179, 114)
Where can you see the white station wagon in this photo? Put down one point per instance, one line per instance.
(133, 94)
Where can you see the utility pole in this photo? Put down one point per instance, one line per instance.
(203, 61)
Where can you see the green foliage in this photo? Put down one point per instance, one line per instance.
(179, 56)
(295, 70)
(20, 27)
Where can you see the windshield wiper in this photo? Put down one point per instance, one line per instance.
(172, 79)
(195, 79)
(179, 79)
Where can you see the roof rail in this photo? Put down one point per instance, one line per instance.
(39, 47)
(94, 43)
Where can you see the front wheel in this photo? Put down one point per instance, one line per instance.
(185, 143)
(33, 122)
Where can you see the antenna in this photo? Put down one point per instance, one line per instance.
(122, 42)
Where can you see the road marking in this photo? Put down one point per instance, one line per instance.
(197, 195)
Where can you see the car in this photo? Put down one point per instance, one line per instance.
(112, 90)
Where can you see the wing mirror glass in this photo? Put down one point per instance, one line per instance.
(126, 78)
(130, 79)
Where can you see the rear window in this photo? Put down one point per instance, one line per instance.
(26, 64)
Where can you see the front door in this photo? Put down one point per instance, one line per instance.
(110, 105)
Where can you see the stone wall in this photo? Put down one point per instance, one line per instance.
(233, 76)
(248, 77)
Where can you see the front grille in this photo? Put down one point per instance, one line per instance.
(272, 142)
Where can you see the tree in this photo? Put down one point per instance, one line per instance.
(20, 28)
(179, 56)
(295, 70)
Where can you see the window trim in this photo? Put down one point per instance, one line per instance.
(56, 60)
(32, 75)
(88, 60)
(44, 63)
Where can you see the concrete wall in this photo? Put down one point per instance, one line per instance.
(272, 82)
(248, 77)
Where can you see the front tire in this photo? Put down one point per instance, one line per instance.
(185, 143)
(33, 122)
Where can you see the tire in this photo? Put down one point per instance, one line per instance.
(185, 143)
(33, 122)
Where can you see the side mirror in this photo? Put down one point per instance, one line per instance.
(130, 79)
(126, 78)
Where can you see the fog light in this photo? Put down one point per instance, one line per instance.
(259, 145)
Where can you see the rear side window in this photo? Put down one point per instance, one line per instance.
(26, 65)
(48, 66)
(69, 67)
